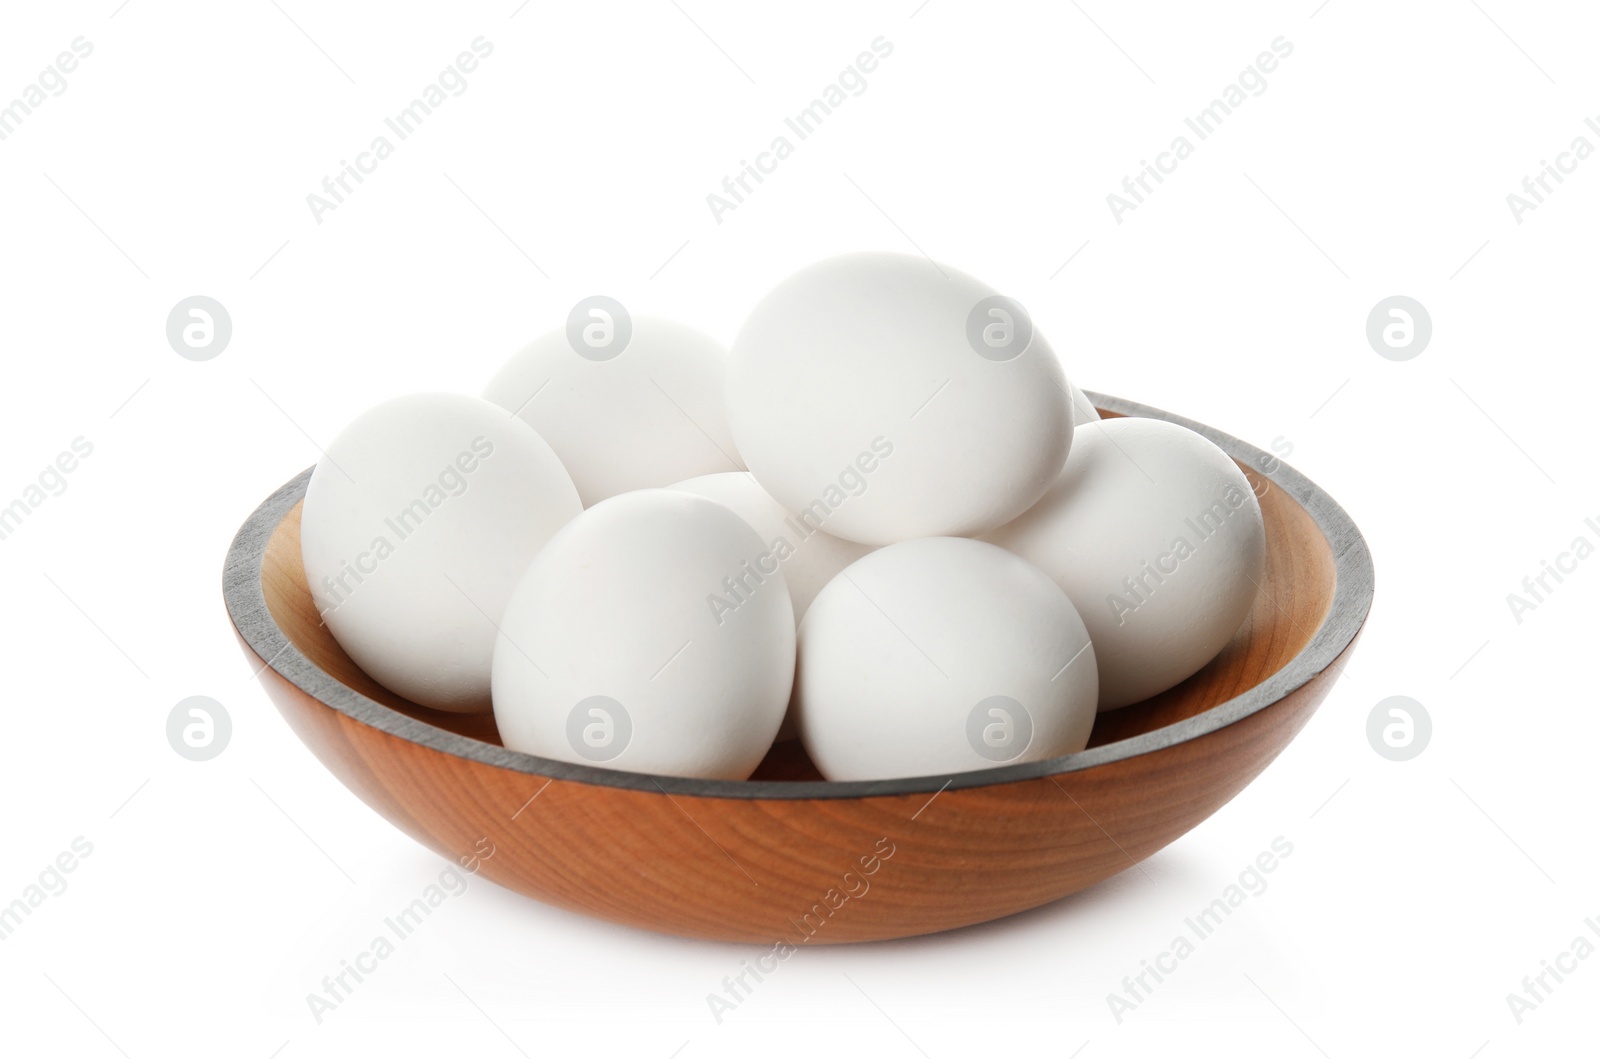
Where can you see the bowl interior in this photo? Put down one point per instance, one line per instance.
(1293, 599)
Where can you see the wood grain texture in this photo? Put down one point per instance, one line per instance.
(820, 870)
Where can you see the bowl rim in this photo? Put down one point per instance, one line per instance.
(1352, 600)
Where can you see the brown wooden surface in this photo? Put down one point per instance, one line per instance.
(750, 869)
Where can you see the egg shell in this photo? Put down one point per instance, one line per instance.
(942, 655)
(417, 522)
(1083, 409)
(856, 387)
(1157, 537)
(646, 417)
(809, 556)
(623, 645)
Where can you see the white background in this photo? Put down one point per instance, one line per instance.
(1377, 162)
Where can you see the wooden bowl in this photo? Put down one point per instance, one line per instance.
(786, 856)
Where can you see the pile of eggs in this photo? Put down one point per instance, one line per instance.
(883, 522)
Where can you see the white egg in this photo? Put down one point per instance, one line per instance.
(417, 522)
(1157, 537)
(810, 558)
(640, 408)
(942, 655)
(652, 634)
(1083, 409)
(896, 398)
